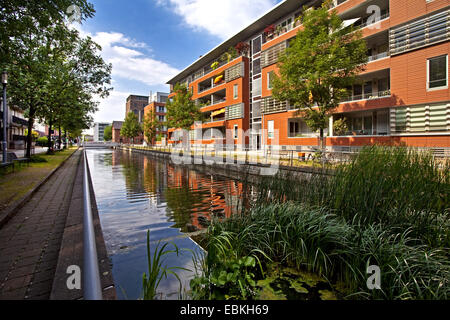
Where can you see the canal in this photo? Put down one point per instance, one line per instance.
(136, 193)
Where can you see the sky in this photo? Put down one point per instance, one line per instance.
(150, 41)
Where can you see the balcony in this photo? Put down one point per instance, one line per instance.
(367, 18)
(20, 121)
(213, 99)
(367, 96)
(378, 56)
(365, 22)
(208, 69)
(270, 105)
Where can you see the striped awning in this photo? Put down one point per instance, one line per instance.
(218, 112)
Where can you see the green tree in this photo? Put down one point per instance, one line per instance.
(151, 126)
(320, 63)
(59, 77)
(131, 127)
(107, 135)
(182, 112)
(22, 19)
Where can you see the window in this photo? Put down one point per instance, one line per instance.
(257, 87)
(269, 80)
(236, 131)
(270, 129)
(235, 91)
(437, 72)
(256, 66)
(256, 45)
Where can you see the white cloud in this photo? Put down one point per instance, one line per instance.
(112, 108)
(132, 62)
(222, 18)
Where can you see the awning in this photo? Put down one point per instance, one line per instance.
(218, 112)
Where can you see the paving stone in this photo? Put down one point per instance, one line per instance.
(30, 241)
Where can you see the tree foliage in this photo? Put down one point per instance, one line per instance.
(319, 65)
(55, 75)
(131, 127)
(182, 112)
(151, 126)
(107, 135)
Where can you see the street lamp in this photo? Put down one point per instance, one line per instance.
(5, 118)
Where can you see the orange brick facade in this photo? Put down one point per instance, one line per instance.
(393, 82)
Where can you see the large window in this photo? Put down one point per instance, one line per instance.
(270, 129)
(256, 66)
(299, 128)
(235, 91)
(257, 87)
(269, 80)
(437, 72)
(256, 45)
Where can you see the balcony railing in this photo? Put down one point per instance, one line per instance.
(368, 96)
(19, 121)
(206, 70)
(379, 56)
(370, 22)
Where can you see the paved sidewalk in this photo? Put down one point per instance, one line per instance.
(30, 241)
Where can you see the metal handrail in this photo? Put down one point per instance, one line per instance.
(91, 279)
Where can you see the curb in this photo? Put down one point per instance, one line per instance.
(8, 214)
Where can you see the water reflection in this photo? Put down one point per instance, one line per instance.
(135, 193)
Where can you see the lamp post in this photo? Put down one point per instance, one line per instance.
(5, 117)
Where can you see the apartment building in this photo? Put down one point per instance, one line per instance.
(402, 97)
(17, 126)
(99, 131)
(157, 107)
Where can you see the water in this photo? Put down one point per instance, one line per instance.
(136, 193)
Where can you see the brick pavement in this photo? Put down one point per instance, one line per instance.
(30, 242)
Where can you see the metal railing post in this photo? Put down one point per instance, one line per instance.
(91, 279)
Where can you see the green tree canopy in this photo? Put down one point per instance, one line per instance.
(107, 135)
(182, 112)
(151, 126)
(320, 63)
(131, 127)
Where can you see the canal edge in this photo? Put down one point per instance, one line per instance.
(71, 250)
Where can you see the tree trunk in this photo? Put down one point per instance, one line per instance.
(30, 132)
(59, 137)
(49, 137)
(321, 139)
(65, 138)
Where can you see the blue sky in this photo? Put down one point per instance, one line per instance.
(149, 41)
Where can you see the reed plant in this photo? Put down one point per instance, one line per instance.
(156, 270)
(387, 207)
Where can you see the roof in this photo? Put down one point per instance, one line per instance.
(282, 9)
(117, 125)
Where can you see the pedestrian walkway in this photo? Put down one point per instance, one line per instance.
(31, 240)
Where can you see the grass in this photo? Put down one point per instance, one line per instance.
(15, 185)
(388, 207)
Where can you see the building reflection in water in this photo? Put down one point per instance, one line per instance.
(136, 193)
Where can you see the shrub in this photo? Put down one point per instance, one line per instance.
(42, 142)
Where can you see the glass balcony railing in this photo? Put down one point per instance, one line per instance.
(367, 22)
(378, 56)
(367, 96)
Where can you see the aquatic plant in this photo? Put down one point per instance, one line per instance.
(387, 207)
(156, 270)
